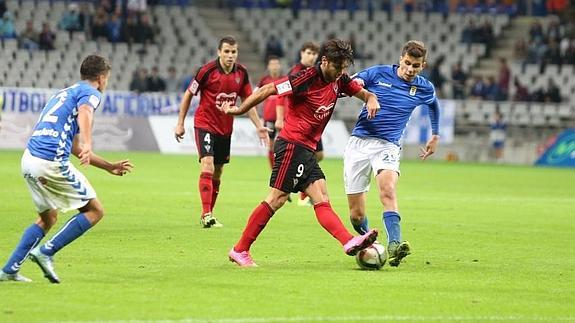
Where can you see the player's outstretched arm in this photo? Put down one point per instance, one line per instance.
(260, 128)
(256, 98)
(370, 102)
(85, 117)
(180, 130)
(118, 168)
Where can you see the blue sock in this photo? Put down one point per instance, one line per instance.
(73, 229)
(391, 220)
(29, 240)
(360, 227)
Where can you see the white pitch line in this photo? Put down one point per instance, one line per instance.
(519, 318)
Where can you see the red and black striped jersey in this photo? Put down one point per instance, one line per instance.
(217, 87)
(311, 101)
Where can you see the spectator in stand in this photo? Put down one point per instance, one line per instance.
(504, 79)
(491, 89)
(131, 29)
(486, 36)
(552, 54)
(569, 56)
(155, 82)
(273, 48)
(521, 92)
(436, 77)
(552, 94)
(458, 79)
(70, 20)
(47, 37)
(536, 31)
(173, 83)
(478, 88)
(468, 34)
(145, 34)
(98, 25)
(29, 38)
(520, 49)
(7, 30)
(114, 28)
(139, 81)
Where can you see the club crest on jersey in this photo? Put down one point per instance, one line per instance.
(238, 80)
(323, 111)
(412, 90)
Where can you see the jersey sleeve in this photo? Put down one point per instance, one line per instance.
(197, 82)
(366, 76)
(349, 86)
(90, 97)
(246, 89)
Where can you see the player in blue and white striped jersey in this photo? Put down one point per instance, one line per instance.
(64, 128)
(374, 145)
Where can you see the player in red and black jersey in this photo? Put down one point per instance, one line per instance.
(308, 56)
(219, 81)
(312, 95)
(273, 110)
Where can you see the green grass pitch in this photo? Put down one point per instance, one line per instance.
(490, 243)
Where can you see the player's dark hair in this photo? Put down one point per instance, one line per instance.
(272, 57)
(336, 51)
(414, 48)
(93, 66)
(230, 40)
(311, 46)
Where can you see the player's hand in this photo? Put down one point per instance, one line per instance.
(85, 155)
(430, 147)
(179, 132)
(372, 108)
(230, 109)
(279, 124)
(263, 133)
(120, 168)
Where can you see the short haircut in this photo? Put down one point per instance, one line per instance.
(309, 45)
(336, 51)
(272, 57)
(230, 40)
(93, 66)
(414, 48)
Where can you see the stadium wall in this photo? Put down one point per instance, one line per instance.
(129, 121)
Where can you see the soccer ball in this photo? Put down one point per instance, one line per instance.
(372, 257)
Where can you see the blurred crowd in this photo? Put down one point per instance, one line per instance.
(550, 44)
(114, 21)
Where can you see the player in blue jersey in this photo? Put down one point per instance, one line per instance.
(374, 145)
(64, 128)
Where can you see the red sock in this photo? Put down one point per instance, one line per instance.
(256, 223)
(206, 190)
(271, 158)
(302, 195)
(215, 192)
(331, 222)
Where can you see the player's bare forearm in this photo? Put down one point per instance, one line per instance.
(370, 102)
(100, 162)
(280, 112)
(184, 107)
(256, 98)
(85, 115)
(253, 115)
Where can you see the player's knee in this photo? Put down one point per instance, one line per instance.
(387, 193)
(277, 202)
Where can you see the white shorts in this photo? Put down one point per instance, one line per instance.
(55, 185)
(364, 157)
